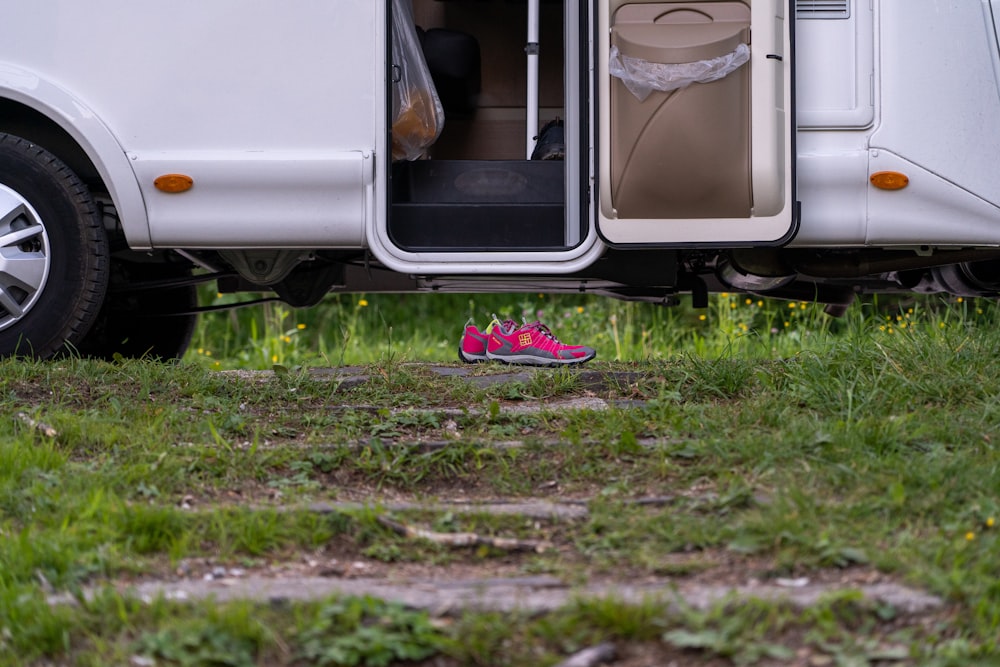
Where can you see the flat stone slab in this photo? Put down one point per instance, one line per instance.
(537, 509)
(503, 407)
(531, 595)
(349, 377)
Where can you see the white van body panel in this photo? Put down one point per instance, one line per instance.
(931, 211)
(939, 120)
(275, 199)
(89, 131)
(940, 107)
(252, 85)
(835, 70)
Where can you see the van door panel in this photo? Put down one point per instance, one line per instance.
(707, 163)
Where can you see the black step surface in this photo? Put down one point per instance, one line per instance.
(478, 182)
(478, 205)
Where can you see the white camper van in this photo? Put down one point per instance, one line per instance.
(805, 149)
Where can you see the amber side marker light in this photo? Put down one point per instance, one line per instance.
(174, 183)
(889, 180)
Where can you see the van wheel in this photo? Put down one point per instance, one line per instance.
(53, 253)
(143, 323)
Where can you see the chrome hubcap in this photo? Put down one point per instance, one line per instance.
(24, 257)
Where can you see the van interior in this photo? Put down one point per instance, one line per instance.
(509, 172)
(482, 185)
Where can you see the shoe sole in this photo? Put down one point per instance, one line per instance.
(471, 358)
(528, 360)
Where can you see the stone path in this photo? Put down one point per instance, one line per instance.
(526, 594)
(447, 595)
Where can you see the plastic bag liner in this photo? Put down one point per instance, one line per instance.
(417, 115)
(642, 77)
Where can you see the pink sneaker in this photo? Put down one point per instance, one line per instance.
(472, 347)
(533, 345)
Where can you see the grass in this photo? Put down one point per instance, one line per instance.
(349, 329)
(367, 329)
(859, 447)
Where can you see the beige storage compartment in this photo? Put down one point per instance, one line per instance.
(683, 153)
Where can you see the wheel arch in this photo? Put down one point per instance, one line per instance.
(46, 114)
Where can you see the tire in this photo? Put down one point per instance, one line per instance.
(139, 324)
(53, 253)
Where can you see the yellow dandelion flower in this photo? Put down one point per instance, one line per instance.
(702, 317)
(791, 305)
(218, 295)
(787, 324)
(890, 330)
(732, 306)
(760, 304)
(208, 353)
(300, 326)
(274, 358)
(363, 303)
(910, 311)
(803, 305)
(969, 536)
(725, 295)
(881, 327)
(749, 301)
(979, 311)
(201, 350)
(960, 300)
(990, 522)
(941, 325)
(579, 309)
(286, 339)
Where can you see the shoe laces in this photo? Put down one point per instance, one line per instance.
(544, 330)
(505, 325)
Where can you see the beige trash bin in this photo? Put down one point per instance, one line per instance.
(683, 153)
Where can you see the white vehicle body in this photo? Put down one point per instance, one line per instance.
(276, 121)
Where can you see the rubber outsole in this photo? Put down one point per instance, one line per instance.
(537, 361)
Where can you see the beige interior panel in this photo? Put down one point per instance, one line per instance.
(711, 163)
(683, 153)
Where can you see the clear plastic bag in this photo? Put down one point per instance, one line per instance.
(642, 77)
(417, 115)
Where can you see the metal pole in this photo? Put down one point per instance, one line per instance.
(532, 99)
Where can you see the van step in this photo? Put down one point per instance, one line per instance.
(478, 182)
(478, 227)
(478, 205)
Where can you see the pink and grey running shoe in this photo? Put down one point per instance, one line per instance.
(533, 345)
(472, 347)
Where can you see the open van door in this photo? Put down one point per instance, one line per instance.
(694, 124)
